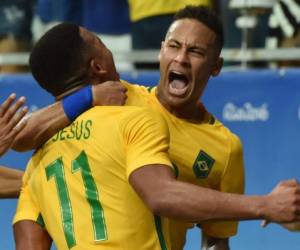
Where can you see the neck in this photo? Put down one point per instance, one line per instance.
(70, 91)
(194, 112)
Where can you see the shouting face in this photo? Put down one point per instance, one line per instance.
(188, 57)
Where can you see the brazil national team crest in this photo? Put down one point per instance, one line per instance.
(203, 164)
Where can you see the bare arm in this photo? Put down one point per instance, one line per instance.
(10, 182)
(40, 126)
(31, 236)
(44, 123)
(10, 116)
(168, 197)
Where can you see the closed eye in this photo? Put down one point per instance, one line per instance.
(173, 45)
(197, 51)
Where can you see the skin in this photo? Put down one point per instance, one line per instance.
(10, 182)
(165, 195)
(33, 236)
(187, 52)
(10, 116)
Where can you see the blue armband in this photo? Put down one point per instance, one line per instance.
(78, 102)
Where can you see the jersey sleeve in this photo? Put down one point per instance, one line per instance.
(26, 208)
(232, 182)
(146, 137)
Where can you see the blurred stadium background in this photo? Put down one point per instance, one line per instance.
(257, 94)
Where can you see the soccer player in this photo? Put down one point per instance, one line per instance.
(205, 152)
(10, 125)
(79, 180)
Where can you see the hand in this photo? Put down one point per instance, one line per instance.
(283, 203)
(10, 117)
(110, 93)
(293, 226)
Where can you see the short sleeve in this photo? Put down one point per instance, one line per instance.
(26, 208)
(146, 137)
(232, 182)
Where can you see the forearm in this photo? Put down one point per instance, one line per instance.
(191, 203)
(40, 126)
(183, 201)
(196, 204)
(10, 182)
(44, 123)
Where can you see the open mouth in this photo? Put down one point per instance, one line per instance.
(178, 83)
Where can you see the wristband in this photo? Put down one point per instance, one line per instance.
(78, 102)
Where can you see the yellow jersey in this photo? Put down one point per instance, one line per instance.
(141, 9)
(206, 154)
(78, 181)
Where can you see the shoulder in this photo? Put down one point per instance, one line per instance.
(233, 140)
(141, 120)
(142, 89)
(143, 114)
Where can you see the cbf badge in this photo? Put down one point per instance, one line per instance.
(203, 164)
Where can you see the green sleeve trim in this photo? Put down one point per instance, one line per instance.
(40, 221)
(212, 120)
(160, 234)
(150, 88)
(176, 170)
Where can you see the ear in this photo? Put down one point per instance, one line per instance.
(97, 68)
(218, 66)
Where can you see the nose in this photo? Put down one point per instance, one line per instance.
(182, 56)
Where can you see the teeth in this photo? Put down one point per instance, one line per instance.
(178, 73)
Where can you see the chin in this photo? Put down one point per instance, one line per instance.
(176, 102)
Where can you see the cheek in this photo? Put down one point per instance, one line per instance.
(202, 70)
(166, 55)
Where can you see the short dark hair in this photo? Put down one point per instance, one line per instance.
(57, 57)
(206, 16)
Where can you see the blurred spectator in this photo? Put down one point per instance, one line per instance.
(284, 27)
(107, 18)
(52, 12)
(255, 35)
(110, 20)
(150, 20)
(15, 29)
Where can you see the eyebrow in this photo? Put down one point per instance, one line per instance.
(174, 40)
(191, 46)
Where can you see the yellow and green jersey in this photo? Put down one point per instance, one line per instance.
(206, 154)
(78, 181)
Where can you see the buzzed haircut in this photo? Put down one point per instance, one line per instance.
(59, 58)
(206, 16)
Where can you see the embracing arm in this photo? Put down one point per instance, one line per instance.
(40, 126)
(31, 236)
(44, 123)
(168, 197)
